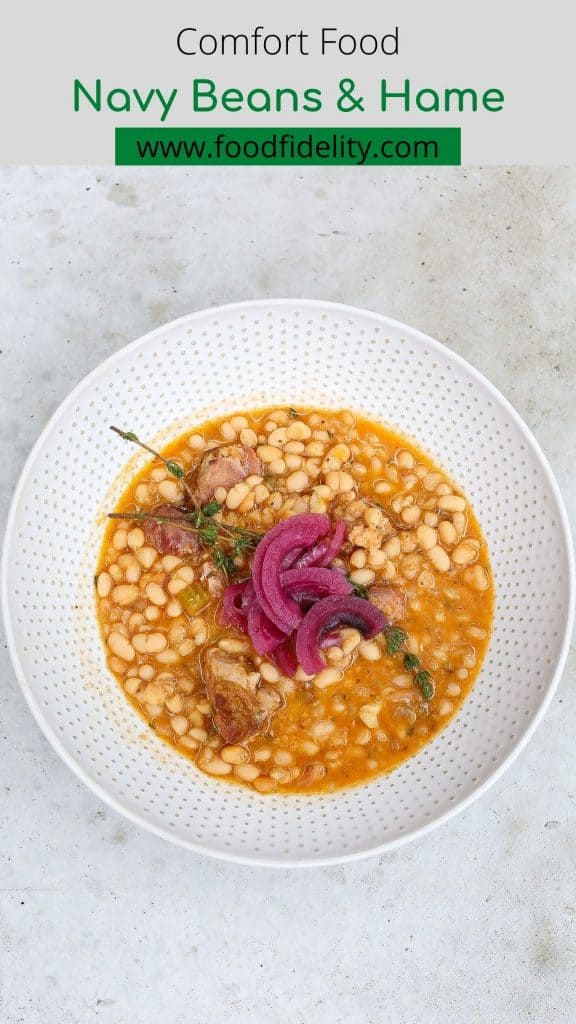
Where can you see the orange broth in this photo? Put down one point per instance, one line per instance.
(410, 530)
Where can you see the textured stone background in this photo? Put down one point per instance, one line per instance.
(100, 922)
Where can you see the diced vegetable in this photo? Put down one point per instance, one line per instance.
(194, 598)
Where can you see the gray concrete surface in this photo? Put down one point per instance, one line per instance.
(100, 922)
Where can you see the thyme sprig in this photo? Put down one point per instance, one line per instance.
(396, 640)
(174, 468)
(225, 542)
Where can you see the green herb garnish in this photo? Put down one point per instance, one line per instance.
(225, 542)
(174, 468)
(411, 662)
(396, 640)
(223, 560)
(359, 589)
(242, 544)
(424, 681)
(211, 508)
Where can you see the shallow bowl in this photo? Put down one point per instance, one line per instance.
(239, 357)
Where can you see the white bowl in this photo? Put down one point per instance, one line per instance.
(237, 357)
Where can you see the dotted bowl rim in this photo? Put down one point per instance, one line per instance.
(459, 805)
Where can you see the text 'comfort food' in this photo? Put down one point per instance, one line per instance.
(298, 600)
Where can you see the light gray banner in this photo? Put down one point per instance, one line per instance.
(525, 50)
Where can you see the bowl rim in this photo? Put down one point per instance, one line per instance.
(281, 862)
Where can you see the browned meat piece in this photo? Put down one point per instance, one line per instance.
(240, 706)
(390, 600)
(222, 467)
(168, 539)
(212, 578)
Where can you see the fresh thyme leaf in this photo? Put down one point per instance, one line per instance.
(126, 435)
(211, 508)
(208, 534)
(241, 546)
(395, 639)
(359, 589)
(222, 560)
(411, 662)
(175, 469)
(423, 679)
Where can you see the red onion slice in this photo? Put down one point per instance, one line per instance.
(311, 557)
(272, 605)
(312, 584)
(248, 596)
(335, 546)
(284, 657)
(323, 554)
(233, 612)
(328, 615)
(292, 559)
(330, 640)
(265, 636)
(293, 534)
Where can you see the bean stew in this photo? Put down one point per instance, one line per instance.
(297, 600)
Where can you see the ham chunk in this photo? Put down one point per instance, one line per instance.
(212, 578)
(170, 539)
(222, 467)
(241, 706)
(390, 600)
